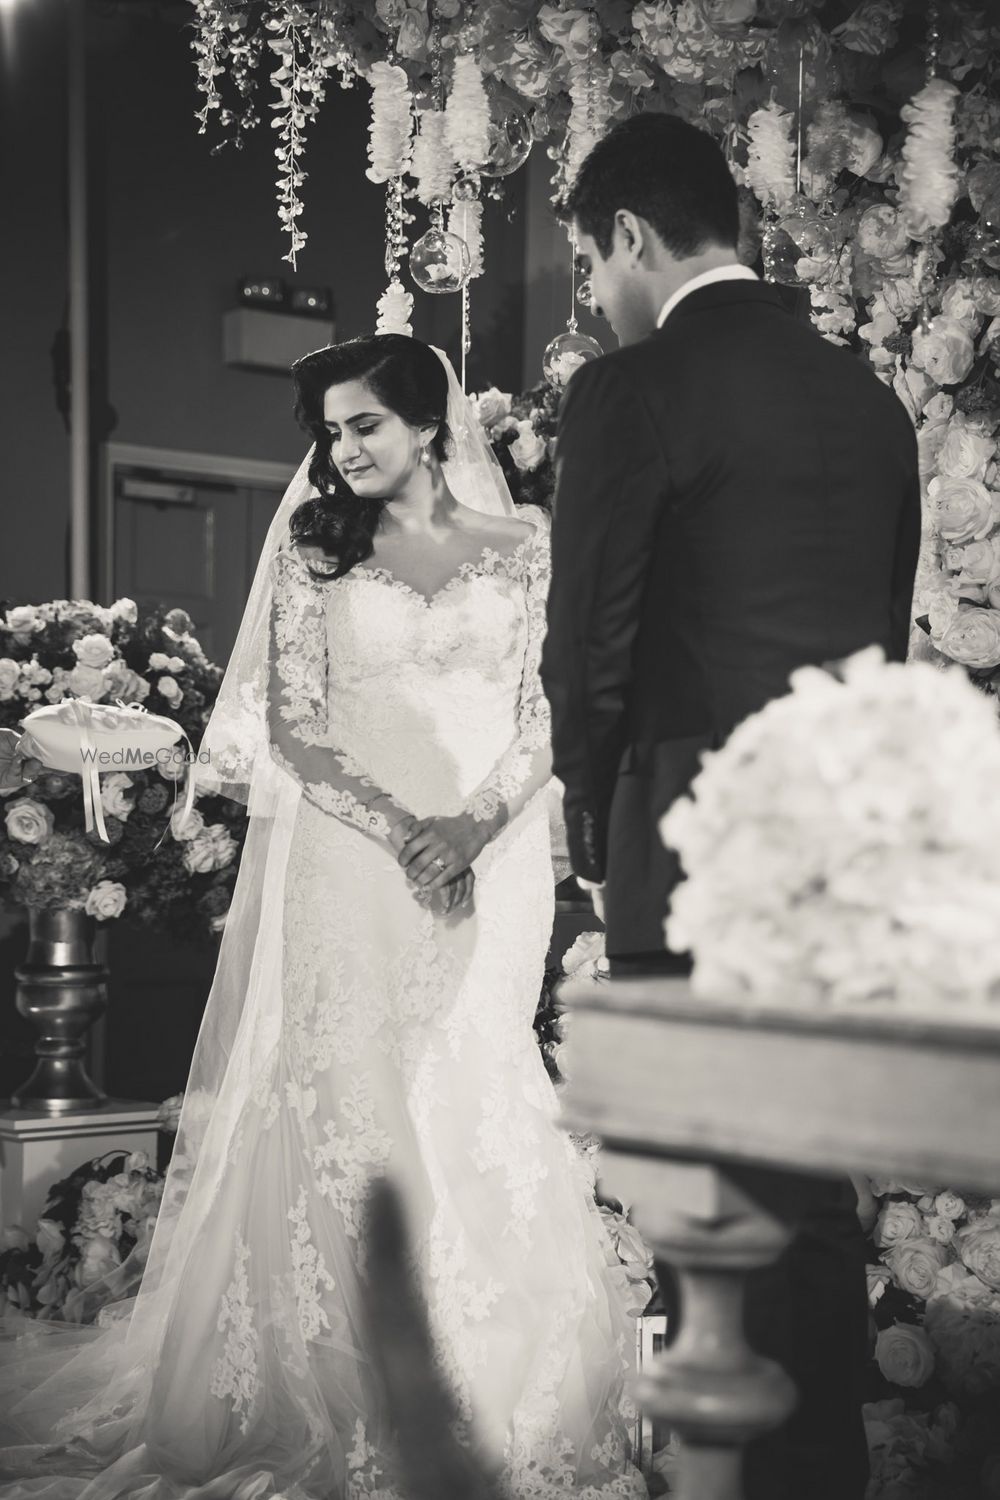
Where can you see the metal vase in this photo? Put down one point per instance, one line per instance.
(62, 991)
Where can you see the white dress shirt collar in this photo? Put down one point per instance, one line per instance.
(734, 272)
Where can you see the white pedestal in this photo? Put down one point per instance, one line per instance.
(37, 1150)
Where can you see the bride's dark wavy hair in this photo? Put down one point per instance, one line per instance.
(405, 376)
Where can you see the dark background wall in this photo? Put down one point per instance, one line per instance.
(173, 229)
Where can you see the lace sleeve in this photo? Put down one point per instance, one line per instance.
(526, 765)
(297, 706)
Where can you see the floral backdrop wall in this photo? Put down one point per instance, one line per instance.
(865, 138)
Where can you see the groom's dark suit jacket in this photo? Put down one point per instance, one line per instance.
(736, 497)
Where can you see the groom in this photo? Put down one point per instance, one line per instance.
(736, 497)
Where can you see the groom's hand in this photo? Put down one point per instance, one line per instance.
(596, 894)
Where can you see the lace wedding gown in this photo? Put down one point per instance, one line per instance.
(406, 1048)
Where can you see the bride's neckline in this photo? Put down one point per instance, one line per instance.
(484, 563)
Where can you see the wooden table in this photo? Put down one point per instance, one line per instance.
(700, 1106)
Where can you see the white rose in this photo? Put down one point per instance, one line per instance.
(86, 682)
(985, 293)
(223, 844)
(915, 1264)
(28, 821)
(527, 449)
(199, 854)
(940, 1228)
(940, 407)
(114, 798)
(491, 407)
(945, 351)
(978, 1247)
(972, 638)
(959, 303)
(897, 1221)
(965, 453)
(881, 232)
(169, 689)
(125, 684)
(106, 899)
(950, 1205)
(184, 829)
(10, 674)
(966, 509)
(124, 609)
(94, 651)
(23, 621)
(974, 562)
(904, 1355)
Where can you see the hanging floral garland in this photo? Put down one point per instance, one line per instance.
(894, 233)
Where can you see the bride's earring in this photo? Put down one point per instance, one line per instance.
(425, 456)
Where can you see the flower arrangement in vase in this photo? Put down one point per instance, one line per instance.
(48, 859)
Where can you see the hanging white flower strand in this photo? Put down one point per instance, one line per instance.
(213, 23)
(590, 104)
(395, 308)
(770, 168)
(929, 184)
(433, 167)
(390, 134)
(390, 149)
(467, 115)
(299, 78)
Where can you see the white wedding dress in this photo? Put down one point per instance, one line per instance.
(405, 1048)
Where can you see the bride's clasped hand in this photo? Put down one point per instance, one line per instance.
(437, 862)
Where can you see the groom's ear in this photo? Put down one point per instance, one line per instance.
(631, 233)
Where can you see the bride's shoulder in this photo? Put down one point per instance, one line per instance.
(508, 532)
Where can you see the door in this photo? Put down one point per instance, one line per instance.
(190, 543)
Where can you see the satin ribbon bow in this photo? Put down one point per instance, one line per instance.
(93, 810)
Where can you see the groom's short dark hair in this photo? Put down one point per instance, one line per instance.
(668, 172)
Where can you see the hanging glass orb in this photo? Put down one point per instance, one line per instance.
(566, 353)
(440, 262)
(585, 294)
(800, 248)
(510, 141)
(466, 188)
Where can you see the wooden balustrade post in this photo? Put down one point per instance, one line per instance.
(709, 1386)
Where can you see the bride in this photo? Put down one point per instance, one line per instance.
(371, 1015)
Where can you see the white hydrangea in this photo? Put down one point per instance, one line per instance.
(841, 847)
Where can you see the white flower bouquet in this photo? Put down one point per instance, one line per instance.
(840, 849)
